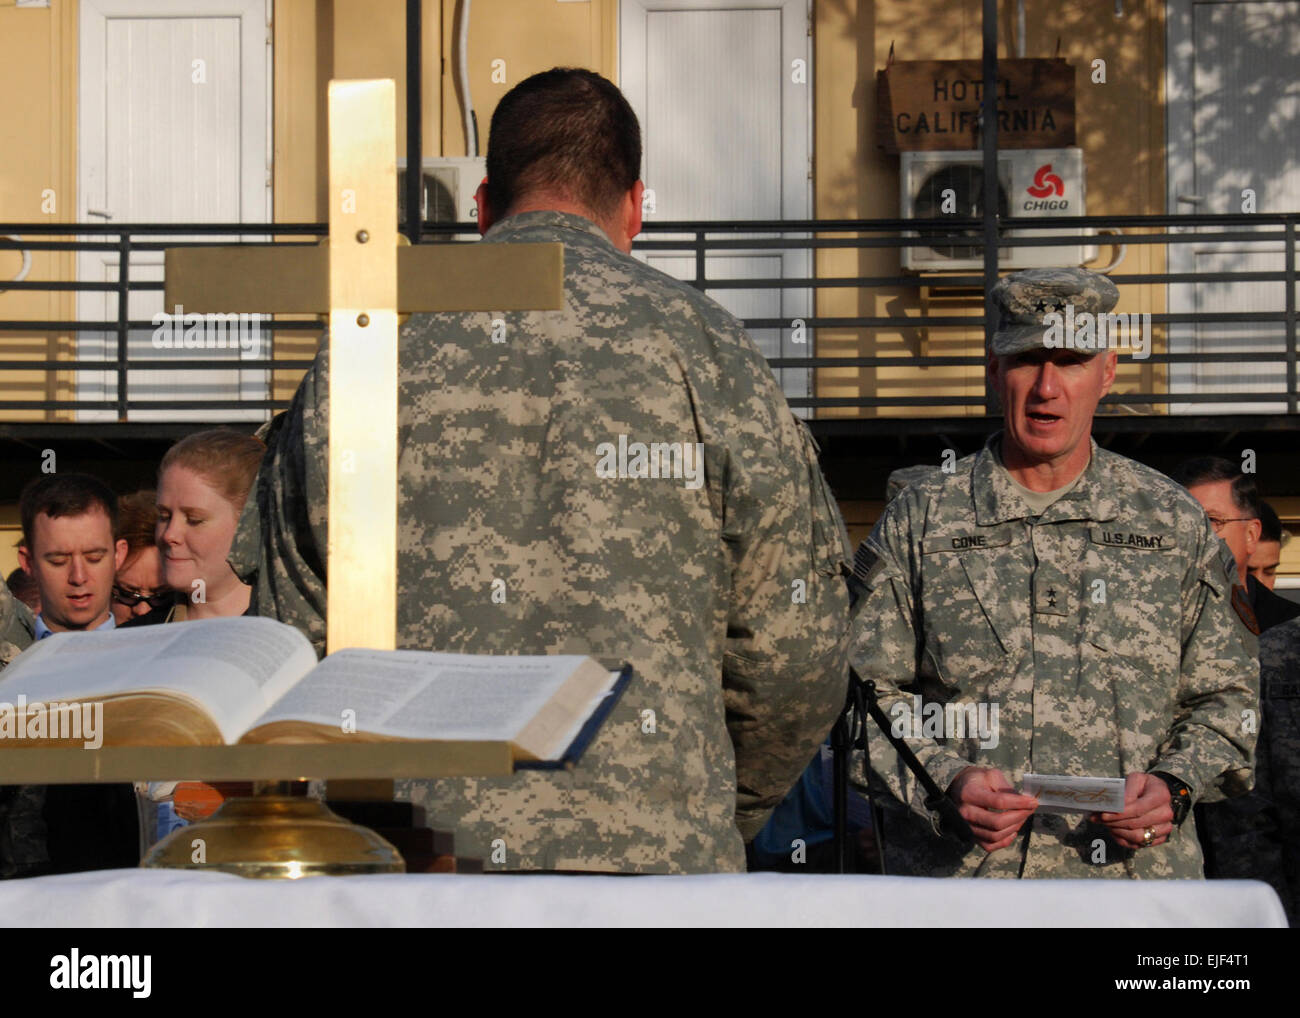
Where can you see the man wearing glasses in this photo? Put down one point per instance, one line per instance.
(1254, 837)
(1232, 503)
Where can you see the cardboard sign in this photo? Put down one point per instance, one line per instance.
(933, 105)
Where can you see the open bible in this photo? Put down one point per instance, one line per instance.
(254, 680)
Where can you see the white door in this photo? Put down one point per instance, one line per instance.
(174, 125)
(726, 126)
(1234, 125)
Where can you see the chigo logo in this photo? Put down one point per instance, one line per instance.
(1046, 185)
(72, 971)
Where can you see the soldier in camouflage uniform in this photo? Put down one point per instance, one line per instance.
(17, 626)
(723, 588)
(1084, 595)
(22, 826)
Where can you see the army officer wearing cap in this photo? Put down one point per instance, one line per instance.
(1074, 603)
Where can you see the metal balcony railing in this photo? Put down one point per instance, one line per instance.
(1203, 342)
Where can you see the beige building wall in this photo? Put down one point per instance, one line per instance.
(1120, 128)
(1119, 125)
(316, 40)
(1287, 508)
(509, 40)
(11, 533)
(39, 120)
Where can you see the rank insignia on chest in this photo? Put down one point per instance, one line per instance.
(1050, 597)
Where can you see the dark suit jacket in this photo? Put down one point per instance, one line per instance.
(1270, 608)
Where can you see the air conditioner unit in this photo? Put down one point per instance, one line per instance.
(1037, 182)
(447, 192)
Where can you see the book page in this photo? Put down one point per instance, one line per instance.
(235, 668)
(564, 736)
(412, 694)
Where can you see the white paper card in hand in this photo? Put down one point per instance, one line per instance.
(1064, 793)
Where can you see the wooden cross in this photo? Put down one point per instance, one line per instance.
(364, 280)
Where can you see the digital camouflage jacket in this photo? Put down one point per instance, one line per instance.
(550, 503)
(1101, 635)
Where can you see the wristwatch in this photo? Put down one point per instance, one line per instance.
(1180, 795)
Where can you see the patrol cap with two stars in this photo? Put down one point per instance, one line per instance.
(1023, 298)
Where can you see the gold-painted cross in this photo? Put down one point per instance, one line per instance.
(364, 281)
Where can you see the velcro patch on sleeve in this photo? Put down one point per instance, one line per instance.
(867, 565)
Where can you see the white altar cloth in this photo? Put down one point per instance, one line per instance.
(149, 898)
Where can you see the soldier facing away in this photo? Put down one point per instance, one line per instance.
(1081, 600)
(620, 478)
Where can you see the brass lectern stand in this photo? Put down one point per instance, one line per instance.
(272, 834)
